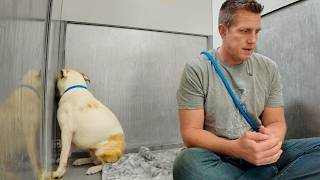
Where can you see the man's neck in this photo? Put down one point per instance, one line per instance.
(227, 58)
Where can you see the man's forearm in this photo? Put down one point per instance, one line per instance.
(205, 139)
(278, 129)
(273, 119)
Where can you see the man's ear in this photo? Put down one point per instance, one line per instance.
(63, 73)
(222, 30)
(85, 77)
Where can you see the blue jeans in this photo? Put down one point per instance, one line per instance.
(300, 160)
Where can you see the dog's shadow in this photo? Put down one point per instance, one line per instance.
(20, 120)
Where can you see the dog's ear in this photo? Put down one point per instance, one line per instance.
(85, 77)
(39, 73)
(63, 73)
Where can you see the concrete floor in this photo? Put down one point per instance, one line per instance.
(23, 171)
(78, 172)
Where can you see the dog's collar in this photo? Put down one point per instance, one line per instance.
(75, 86)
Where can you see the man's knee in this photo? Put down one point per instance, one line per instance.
(295, 148)
(314, 145)
(306, 144)
(196, 155)
(192, 160)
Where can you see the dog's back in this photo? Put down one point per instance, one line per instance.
(93, 122)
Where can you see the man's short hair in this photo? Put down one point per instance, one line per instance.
(230, 7)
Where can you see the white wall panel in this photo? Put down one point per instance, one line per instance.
(185, 16)
(216, 4)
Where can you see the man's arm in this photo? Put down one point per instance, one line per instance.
(193, 135)
(274, 120)
(253, 147)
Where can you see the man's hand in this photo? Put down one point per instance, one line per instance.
(271, 136)
(259, 148)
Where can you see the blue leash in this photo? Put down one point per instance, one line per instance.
(234, 98)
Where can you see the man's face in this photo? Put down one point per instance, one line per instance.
(240, 38)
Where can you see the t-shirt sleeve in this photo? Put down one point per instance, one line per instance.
(275, 98)
(190, 94)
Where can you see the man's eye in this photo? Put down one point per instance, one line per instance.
(244, 30)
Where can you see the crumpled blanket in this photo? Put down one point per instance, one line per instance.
(144, 165)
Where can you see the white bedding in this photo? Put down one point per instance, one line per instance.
(144, 165)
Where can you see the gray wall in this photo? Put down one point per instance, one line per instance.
(184, 16)
(290, 37)
(22, 51)
(271, 5)
(136, 74)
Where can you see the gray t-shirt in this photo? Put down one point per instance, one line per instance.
(255, 82)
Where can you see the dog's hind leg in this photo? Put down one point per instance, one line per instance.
(107, 152)
(82, 161)
(94, 169)
(111, 150)
(93, 159)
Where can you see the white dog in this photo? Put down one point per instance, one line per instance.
(87, 123)
(20, 118)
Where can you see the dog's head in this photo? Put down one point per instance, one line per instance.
(68, 77)
(33, 78)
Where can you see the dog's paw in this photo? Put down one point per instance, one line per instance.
(94, 169)
(82, 161)
(58, 174)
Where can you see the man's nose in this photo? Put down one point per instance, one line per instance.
(252, 39)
